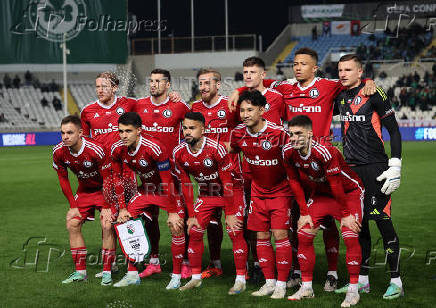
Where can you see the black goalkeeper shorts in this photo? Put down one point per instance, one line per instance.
(377, 205)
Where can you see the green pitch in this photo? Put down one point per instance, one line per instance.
(35, 255)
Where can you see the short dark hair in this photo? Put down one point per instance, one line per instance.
(111, 76)
(300, 120)
(351, 56)
(195, 116)
(130, 118)
(252, 61)
(203, 71)
(308, 51)
(254, 97)
(72, 119)
(166, 73)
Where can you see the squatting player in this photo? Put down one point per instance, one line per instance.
(362, 118)
(148, 158)
(334, 191)
(210, 165)
(87, 160)
(261, 143)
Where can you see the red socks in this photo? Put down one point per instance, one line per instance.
(265, 253)
(240, 251)
(306, 255)
(108, 259)
(195, 250)
(353, 257)
(177, 250)
(283, 259)
(79, 258)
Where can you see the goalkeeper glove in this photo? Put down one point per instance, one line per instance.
(392, 176)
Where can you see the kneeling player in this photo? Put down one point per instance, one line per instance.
(208, 162)
(148, 158)
(86, 159)
(334, 190)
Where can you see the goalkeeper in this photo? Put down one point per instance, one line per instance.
(362, 118)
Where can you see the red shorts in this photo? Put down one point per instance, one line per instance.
(88, 202)
(322, 206)
(265, 214)
(206, 208)
(141, 204)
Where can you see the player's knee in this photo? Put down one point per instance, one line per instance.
(280, 234)
(196, 234)
(74, 225)
(263, 235)
(106, 227)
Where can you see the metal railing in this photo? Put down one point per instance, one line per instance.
(201, 44)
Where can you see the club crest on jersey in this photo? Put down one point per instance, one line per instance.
(120, 110)
(314, 93)
(221, 114)
(266, 145)
(207, 162)
(357, 100)
(87, 164)
(314, 166)
(167, 113)
(267, 107)
(143, 163)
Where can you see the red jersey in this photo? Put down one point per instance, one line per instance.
(90, 165)
(275, 107)
(163, 121)
(149, 160)
(315, 101)
(263, 154)
(219, 120)
(101, 122)
(210, 167)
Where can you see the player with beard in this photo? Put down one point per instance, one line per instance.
(161, 117)
(219, 122)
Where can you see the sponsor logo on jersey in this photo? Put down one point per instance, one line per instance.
(307, 109)
(347, 117)
(207, 162)
(202, 177)
(87, 164)
(111, 128)
(314, 166)
(146, 175)
(157, 128)
(96, 115)
(262, 162)
(357, 100)
(85, 175)
(120, 110)
(266, 145)
(167, 113)
(221, 114)
(314, 93)
(216, 130)
(143, 163)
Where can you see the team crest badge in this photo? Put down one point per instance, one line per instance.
(314, 166)
(120, 110)
(87, 164)
(221, 114)
(207, 162)
(357, 100)
(314, 93)
(143, 163)
(267, 107)
(266, 145)
(167, 113)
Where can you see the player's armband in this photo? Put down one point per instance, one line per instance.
(163, 165)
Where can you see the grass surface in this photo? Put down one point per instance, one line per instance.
(33, 209)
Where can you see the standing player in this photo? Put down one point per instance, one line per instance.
(148, 158)
(219, 122)
(208, 162)
(362, 119)
(161, 118)
(254, 74)
(334, 191)
(87, 160)
(314, 97)
(261, 143)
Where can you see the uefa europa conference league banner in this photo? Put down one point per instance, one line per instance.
(52, 138)
(32, 31)
(362, 11)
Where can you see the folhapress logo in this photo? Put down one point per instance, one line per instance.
(425, 133)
